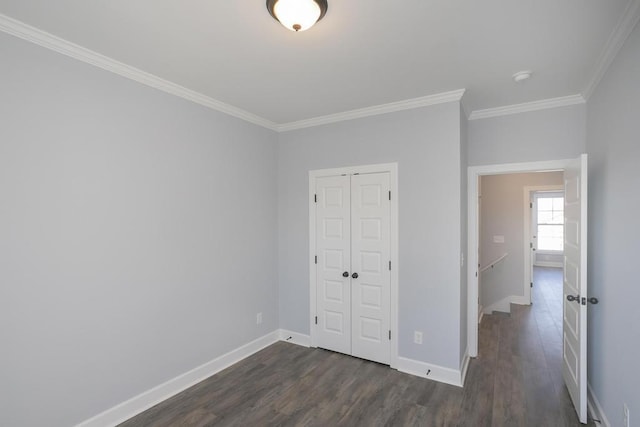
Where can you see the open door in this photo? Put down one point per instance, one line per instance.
(574, 369)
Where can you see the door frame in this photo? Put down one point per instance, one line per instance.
(392, 169)
(529, 192)
(474, 174)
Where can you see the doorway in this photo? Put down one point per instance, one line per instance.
(544, 231)
(507, 249)
(574, 326)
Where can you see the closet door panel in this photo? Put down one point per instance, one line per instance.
(370, 255)
(333, 248)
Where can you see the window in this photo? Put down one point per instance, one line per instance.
(550, 222)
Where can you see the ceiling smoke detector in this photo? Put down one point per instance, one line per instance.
(521, 76)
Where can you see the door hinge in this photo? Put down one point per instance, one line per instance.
(389, 335)
(530, 205)
(389, 194)
(316, 259)
(389, 265)
(531, 284)
(530, 245)
(316, 320)
(315, 198)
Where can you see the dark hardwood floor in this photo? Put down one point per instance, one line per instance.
(515, 381)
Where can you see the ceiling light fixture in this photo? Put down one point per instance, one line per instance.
(297, 15)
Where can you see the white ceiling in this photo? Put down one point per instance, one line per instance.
(363, 53)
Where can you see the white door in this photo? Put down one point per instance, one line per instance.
(370, 258)
(533, 243)
(333, 249)
(574, 369)
(353, 280)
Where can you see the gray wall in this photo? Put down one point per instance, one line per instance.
(426, 144)
(614, 234)
(502, 213)
(137, 236)
(557, 133)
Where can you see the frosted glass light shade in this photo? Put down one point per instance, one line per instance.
(297, 15)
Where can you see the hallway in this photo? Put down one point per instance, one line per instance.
(524, 352)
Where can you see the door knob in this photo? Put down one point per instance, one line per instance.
(572, 298)
(354, 275)
(345, 274)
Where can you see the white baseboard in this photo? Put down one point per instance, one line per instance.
(504, 305)
(149, 398)
(464, 367)
(295, 338)
(432, 372)
(408, 366)
(520, 300)
(548, 264)
(595, 409)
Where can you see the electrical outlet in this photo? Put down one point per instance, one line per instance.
(626, 422)
(259, 318)
(417, 337)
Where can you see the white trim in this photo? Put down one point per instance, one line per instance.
(474, 173)
(547, 264)
(430, 371)
(392, 168)
(375, 110)
(616, 40)
(57, 44)
(151, 397)
(295, 338)
(543, 104)
(465, 107)
(464, 368)
(519, 300)
(528, 232)
(549, 252)
(147, 399)
(34, 35)
(595, 408)
(504, 305)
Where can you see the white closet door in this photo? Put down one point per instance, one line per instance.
(333, 243)
(370, 257)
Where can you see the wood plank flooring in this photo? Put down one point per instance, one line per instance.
(515, 381)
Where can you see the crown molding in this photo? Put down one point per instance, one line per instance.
(34, 35)
(527, 106)
(408, 104)
(465, 106)
(616, 40)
